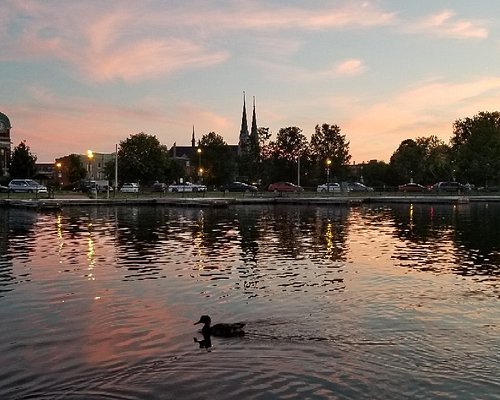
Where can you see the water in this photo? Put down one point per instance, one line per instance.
(375, 302)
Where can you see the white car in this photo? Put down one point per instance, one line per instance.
(187, 187)
(130, 188)
(329, 187)
(27, 186)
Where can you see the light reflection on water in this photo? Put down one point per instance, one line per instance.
(368, 302)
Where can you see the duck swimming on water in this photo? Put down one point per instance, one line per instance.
(221, 329)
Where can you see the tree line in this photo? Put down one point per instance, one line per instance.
(472, 155)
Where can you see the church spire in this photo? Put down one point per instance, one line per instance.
(193, 142)
(254, 135)
(253, 132)
(244, 136)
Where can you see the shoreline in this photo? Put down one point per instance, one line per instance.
(224, 202)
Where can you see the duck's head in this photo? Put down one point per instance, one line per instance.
(204, 319)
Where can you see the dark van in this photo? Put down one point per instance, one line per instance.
(448, 187)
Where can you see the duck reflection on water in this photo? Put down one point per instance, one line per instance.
(220, 329)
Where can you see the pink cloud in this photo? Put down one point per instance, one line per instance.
(445, 24)
(134, 42)
(375, 131)
(350, 67)
(53, 128)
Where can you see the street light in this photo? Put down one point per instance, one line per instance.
(90, 156)
(200, 170)
(200, 174)
(59, 172)
(328, 163)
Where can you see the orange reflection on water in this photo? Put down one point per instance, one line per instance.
(90, 254)
(329, 239)
(122, 328)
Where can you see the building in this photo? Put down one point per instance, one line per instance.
(5, 144)
(187, 154)
(45, 172)
(94, 164)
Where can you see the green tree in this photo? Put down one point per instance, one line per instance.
(328, 143)
(75, 170)
(425, 160)
(407, 162)
(476, 146)
(141, 158)
(376, 173)
(439, 161)
(22, 162)
(218, 161)
(280, 157)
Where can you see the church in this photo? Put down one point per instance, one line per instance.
(185, 154)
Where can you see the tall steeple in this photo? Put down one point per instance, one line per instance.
(244, 136)
(193, 142)
(254, 135)
(253, 132)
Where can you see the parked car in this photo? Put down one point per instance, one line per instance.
(4, 189)
(358, 187)
(26, 186)
(159, 187)
(284, 187)
(412, 187)
(187, 187)
(489, 189)
(130, 188)
(238, 187)
(447, 187)
(329, 187)
(86, 185)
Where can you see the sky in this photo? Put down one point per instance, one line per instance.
(78, 75)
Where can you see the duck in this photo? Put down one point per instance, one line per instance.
(220, 329)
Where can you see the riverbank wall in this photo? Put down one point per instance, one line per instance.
(222, 202)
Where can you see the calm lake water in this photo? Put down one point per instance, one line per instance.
(375, 302)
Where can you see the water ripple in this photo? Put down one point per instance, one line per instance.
(361, 303)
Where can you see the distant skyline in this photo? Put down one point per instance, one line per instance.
(78, 75)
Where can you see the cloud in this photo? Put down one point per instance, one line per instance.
(260, 16)
(425, 109)
(350, 67)
(54, 127)
(445, 24)
(132, 41)
(149, 59)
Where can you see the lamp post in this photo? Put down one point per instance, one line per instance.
(59, 173)
(200, 174)
(328, 163)
(200, 170)
(298, 170)
(90, 156)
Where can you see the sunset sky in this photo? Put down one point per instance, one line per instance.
(78, 75)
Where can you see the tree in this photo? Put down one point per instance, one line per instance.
(22, 162)
(439, 161)
(407, 161)
(218, 161)
(424, 160)
(376, 173)
(75, 169)
(327, 143)
(141, 158)
(476, 146)
(280, 158)
(264, 135)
